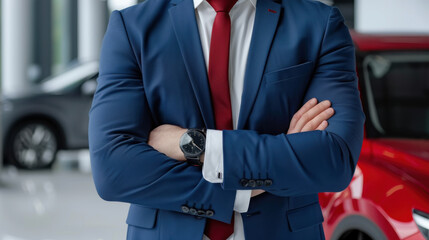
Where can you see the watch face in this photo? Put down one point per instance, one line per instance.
(193, 143)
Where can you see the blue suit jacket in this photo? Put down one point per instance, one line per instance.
(152, 72)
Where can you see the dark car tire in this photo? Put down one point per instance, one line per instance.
(32, 145)
(356, 227)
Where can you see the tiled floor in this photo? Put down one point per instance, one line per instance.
(61, 204)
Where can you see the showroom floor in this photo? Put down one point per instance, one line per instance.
(61, 204)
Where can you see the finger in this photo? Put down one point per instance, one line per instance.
(312, 113)
(307, 106)
(316, 121)
(322, 126)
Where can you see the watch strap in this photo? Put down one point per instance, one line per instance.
(194, 161)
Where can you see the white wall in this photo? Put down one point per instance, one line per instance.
(16, 48)
(392, 16)
(92, 22)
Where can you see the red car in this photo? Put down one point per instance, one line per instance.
(388, 197)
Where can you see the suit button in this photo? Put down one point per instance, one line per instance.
(259, 183)
(244, 182)
(201, 212)
(268, 182)
(252, 183)
(193, 211)
(209, 213)
(185, 209)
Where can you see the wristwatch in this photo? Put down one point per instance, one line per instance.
(192, 144)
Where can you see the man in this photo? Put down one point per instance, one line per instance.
(211, 117)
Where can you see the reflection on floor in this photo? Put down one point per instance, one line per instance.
(61, 204)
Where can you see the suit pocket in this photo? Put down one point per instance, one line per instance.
(288, 73)
(304, 217)
(140, 216)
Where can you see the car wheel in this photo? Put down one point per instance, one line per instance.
(356, 227)
(32, 145)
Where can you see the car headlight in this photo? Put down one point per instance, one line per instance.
(422, 221)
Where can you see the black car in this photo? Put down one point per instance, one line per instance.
(53, 116)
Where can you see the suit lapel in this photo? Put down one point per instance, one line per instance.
(266, 20)
(186, 29)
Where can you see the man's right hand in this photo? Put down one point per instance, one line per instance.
(311, 116)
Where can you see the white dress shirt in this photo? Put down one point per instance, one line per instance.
(242, 20)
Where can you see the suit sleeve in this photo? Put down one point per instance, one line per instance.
(213, 168)
(307, 162)
(125, 168)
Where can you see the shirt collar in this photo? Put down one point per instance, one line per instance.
(198, 2)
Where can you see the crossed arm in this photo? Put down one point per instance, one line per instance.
(127, 168)
(311, 116)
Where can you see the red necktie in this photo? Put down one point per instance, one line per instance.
(219, 88)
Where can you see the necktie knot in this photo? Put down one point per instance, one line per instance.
(222, 5)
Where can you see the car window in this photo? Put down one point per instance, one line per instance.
(398, 94)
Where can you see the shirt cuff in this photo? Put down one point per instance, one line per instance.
(242, 200)
(213, 168)
(213, 157)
